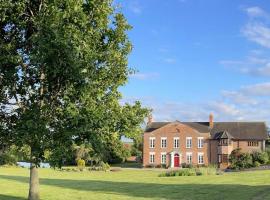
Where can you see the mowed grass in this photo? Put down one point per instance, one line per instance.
(135, 184)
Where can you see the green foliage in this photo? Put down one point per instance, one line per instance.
(240, 160)
(61, 64)
(81, 164)
(7, 158)
(59, 156)
(13, 154)
(260, 157)
(201, 171)
(210, 170)
(186, 165)
(137, 148)
(256, 164)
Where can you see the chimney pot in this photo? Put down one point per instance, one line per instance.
(211, 120)
(150, 119)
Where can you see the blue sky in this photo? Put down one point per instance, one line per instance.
(199, 56)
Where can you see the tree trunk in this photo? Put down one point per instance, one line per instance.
(34, 183)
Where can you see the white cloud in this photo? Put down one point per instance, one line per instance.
(260, 71)
(163, 50)
(239, 98)
(135, 7)
(260, 89)
(145, 76)
(255, 64)
(258, 33)
(223, 108)
(170, 60)
(255, 12)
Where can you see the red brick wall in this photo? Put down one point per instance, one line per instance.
(170, 131)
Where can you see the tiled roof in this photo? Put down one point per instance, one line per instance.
(236, 130)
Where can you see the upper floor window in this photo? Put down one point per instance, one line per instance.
(176, 142)
(200, 158)
(200, 142)
(152, 157)
(152, 142)
(163, 142)
(253, 143)
(188, 142)
(224, 142)
(189, 157)
(163, 158)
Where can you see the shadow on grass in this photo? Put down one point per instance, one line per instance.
(8, 197)
(163, 191)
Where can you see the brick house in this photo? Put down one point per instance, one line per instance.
(199, 143)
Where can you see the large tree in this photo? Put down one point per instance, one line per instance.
(61, 64)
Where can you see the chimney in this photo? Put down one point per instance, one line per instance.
(211, 120)
(150, 119)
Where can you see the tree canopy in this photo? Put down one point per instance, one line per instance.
(61, 65)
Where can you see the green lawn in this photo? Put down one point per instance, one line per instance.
(135, 184)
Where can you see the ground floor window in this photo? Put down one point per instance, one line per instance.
(189, 158)
(223, 158)
(200, 158)
(163, 158)
(152, 157)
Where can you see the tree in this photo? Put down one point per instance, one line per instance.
(61, 64)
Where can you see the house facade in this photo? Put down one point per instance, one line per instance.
(171, 144)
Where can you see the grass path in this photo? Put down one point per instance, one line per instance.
(135, 184)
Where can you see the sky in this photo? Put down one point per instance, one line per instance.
(196, 57)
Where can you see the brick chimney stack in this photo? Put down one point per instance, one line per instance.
(211, 120)
(150, 119)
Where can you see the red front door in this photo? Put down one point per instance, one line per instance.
(176, 160)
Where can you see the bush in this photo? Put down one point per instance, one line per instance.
(105, 166)
(211, 170)
(185, 165)
(100, 167)
(256, 164)
(8, 159)
(191, 172)
(268, 152)
(260, 157)
(240, 160)
(81, 164)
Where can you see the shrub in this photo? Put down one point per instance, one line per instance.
(211, 170)
(105, 166)
(261, 157)
(256, 164)
(100, 167)
(240, 160)
(268, 152)
(81, 164)
(186, 165)
(8, 159)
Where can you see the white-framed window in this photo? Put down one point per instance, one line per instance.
(219, 158)
(188, 142)
(163, 142)
(152, 142)
(163, 157)
(200, 158)
(200, 142)
(152, 157)
(189, 157)
(176, 142)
